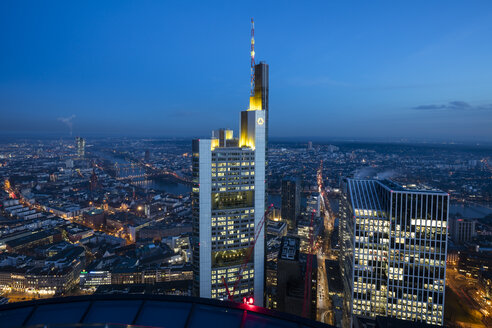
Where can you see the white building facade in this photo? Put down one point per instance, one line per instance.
(228, 201)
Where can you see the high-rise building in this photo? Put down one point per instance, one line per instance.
(393, 251)
(462, 230)
(291, 201)
(228, 202)
(80, 144)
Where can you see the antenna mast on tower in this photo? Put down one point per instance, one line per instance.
(252, 57)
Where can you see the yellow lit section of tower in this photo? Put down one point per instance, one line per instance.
(255, 102)
(214, 144)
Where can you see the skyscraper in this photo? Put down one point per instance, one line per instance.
(228, 202)
(393, 251)
(80, 143)
(291, 201)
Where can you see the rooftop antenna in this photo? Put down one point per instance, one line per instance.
(252, 57)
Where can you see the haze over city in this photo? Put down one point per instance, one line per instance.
(369, 70)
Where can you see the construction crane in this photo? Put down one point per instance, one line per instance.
(309, 269)
(230, 293)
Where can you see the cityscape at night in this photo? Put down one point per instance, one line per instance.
(322, 164)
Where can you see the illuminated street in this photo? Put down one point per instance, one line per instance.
(469, 300)
(325, 306)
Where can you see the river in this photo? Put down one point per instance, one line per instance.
(165, 186)
(470, 211)
(159, 184)
(466, 211)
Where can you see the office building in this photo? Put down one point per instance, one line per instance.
(228, 202)
(393, 251)
(291, 201)
(80, 144)
(462, 230)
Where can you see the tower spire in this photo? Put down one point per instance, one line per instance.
(252, 57)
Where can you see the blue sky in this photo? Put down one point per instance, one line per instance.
(349, 69)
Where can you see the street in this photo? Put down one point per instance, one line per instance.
(470, 299)
(325, 306)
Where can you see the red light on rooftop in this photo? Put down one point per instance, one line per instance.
(248, 300)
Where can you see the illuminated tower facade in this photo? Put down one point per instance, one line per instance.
(261, 90)
(393, 251)
(228, 203)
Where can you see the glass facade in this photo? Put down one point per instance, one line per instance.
(393, 243)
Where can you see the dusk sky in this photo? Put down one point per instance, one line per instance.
(345, 69)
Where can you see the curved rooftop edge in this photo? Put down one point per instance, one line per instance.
(130, 310)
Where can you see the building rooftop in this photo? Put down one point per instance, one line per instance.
(144, 310)
(409, 187)
(32, 237)
(289, 248)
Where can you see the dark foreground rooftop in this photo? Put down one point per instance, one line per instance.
(144, 311)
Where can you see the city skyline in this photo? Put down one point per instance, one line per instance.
(142, 182)
(170, 70)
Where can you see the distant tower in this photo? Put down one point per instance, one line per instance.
(80, 144)
(147, 155)
(291, 201)
(93, 180)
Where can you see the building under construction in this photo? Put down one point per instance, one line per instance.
(229, 202)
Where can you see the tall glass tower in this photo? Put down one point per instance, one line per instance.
(228, 201)
(393, 251)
